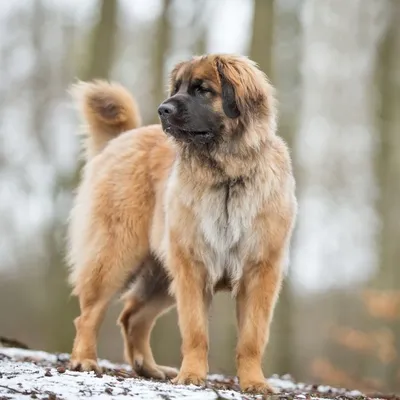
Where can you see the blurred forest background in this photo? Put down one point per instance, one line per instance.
(336, 65)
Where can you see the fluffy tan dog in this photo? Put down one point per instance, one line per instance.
(175, 212)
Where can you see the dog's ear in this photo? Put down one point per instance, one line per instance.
(244, 87)
(228, 94)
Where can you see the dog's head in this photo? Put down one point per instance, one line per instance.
(216, 98)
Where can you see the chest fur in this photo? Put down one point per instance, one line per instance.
(225, 216)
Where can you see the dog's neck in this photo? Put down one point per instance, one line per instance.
(218, 167)
(239, 158)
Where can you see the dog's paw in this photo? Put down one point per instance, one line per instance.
(169, 372)
(189, 378)
(85, 365)
(150, 372)
(154, 371)
(257, 387)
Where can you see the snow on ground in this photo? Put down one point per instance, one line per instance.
(40, 375)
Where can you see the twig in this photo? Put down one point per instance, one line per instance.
(15, 390)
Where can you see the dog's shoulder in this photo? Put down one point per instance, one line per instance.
(278, 155)
(280, 183)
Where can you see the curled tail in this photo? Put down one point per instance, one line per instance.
(107, 109)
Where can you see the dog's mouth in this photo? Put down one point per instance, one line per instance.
(189, 135)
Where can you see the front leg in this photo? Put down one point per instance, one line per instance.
(189, 285)
(256, 299)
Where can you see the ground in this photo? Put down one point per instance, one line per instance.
(39, 375)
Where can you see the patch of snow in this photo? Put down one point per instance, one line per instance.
(21, 353)
(323, 388)
(22, 379)
(37, 374)
(355, 393)
(26, 378)
(282, 384)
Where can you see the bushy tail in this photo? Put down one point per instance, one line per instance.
(107, 109)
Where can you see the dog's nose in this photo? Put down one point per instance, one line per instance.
(166, 110)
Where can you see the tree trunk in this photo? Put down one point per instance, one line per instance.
(262, 39)
(389, 157)
(387, 281)
(102, 50)
(161, 48)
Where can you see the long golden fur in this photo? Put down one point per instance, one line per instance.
(174, 213)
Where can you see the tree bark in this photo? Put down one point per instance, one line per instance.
(161, 49)
(387, 280)
(262, 38)
(103, 42)
(389, 155)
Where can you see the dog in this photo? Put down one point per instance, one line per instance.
(172, 213)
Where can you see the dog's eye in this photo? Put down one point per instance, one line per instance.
(200, 89)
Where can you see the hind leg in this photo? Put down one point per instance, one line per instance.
(137, 321)
(98, 281)
(144, 303)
